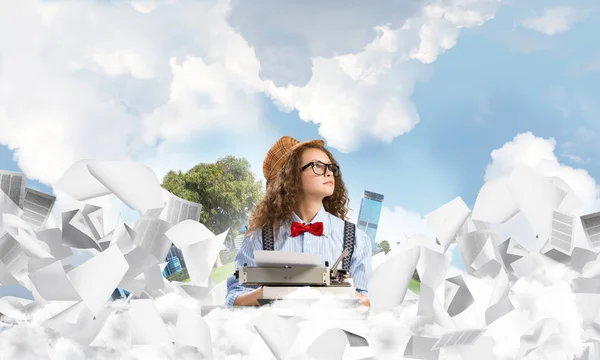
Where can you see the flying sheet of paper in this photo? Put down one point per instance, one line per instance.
(52, 283)
(471, 246)
(204, 253)
(330, 345)
(134, 184)
(420, 347)
(24, 235)
(536, 197)
(500, 303)
(123, 237)
(377, 260)
(385, 291)
(571, 202)
(138, 260)
(11, 254)
(192, 330)
(78, 183)
(486, 255)
(178, 210)
(537, 335)
(13, 184)
(7, 206)
(282, 258)
(591, 227)
(147, 327)
(463, 297)
(76, 232)
(466, 337)
(447, 220)
(561, 237)
(154, 278)
(580, 257)
(432, 267)
(86, 325)
(94, 219)
(426, 298)
(96, 279)
(494, 203)
(6, 278)
(53, 238)
(37, 207)
(279, 334)
(150, 235)
(188, 232)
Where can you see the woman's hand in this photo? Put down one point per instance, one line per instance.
(364, 300)
(250, 298)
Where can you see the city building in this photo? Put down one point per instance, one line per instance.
(174, 251)
(368, 216)
(173, 266)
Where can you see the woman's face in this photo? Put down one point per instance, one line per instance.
(313, 185)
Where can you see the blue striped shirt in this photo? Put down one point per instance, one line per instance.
(330, 246)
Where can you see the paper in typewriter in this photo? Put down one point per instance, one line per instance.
(284, 258)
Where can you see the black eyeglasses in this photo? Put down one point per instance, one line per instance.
(320, 168)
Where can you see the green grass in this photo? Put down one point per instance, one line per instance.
(414, 286)
(219, 274)
(222, 273)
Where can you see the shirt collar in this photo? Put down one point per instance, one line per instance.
(322, 216)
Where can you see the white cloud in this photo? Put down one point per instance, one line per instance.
(395, 223)
(171, 71)
(175, 71)
(555, 20)
(366, 96)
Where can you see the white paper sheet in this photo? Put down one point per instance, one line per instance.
(147, 327)
(192, 330)
(134, 184)
(188, 232)
(52, 283)
(37, 207)
(385, 291)
(53, 238)
(79, 183)
(282, 258)
(447, 220)
(494, 203)
(96, 279)
(24, 235)
(537, 197)
(204, 254)
(76, 232)
(279, 334)
(12, 183)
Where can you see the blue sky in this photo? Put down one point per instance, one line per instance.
(499, 80)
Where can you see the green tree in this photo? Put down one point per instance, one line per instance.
(384, 246)
(226, 189)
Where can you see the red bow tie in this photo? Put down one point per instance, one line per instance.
(314, 228)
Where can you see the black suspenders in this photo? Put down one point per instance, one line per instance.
(349, 239)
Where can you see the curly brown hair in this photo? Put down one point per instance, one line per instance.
(281, 197)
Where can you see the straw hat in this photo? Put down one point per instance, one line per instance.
(279, 153)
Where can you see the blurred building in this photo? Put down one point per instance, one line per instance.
(174, 251)
(173, 266)
(368, 216)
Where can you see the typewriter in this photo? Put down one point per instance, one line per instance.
(279, 281)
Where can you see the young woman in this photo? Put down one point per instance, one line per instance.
(305, 204)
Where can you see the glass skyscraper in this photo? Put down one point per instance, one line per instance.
(368, 216)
